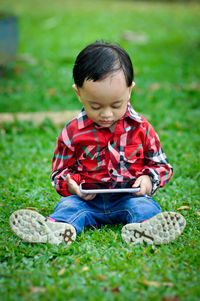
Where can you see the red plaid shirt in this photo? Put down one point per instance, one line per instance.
(90, 153)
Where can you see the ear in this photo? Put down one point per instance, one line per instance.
(131, 87)
(76, 90)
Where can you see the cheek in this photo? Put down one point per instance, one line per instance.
(91, 114)
(122, 111)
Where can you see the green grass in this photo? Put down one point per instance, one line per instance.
(99, 266)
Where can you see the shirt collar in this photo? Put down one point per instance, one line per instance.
(84, 120)
(132, 113)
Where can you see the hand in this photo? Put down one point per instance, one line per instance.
(73, 188)
(145, 184)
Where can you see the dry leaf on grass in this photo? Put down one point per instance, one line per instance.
(76, 261)
(155, 87)
(184, 208)
(51, 92)
(153, 249)
(116, 289)
(37, 289)
(27, 59)
(85, 269)
(62, 271)
(195, 86)
(32, 208)
(171, 298)
(101, 277)
(155, 283)
(18, 69)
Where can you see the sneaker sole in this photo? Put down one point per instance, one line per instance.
(160, 229)
(33, 227)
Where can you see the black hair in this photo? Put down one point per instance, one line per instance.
(99, 59)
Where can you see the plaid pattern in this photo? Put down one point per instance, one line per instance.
(91, 153)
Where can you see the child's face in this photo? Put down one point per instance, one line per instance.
(105, 101)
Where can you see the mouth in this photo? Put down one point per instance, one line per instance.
(106, 122)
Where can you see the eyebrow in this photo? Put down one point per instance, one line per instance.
(114, 102)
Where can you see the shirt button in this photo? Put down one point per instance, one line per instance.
(138, 155)
(111, 170)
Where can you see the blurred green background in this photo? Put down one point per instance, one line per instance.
(162, 39)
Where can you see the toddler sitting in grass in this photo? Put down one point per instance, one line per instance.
(107, 142)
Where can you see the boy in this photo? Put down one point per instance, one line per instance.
(107, 142)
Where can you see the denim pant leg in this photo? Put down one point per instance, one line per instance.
(105, 209)
(79, 213)
(128, 208)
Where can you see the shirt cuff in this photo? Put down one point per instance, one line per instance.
(153, 174)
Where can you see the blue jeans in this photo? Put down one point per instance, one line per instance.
(104, 209)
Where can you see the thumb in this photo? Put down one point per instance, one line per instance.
(68, 179)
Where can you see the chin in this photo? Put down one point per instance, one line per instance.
(106, 125)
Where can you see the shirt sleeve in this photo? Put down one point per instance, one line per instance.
(63, 161)
(156, 163)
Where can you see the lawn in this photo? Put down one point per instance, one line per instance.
(165, 50)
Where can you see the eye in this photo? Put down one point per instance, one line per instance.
(116, 106)
(95, 108)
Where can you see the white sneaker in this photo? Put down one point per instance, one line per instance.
(160, 229)
(31, 226)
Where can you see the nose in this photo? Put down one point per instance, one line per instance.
(106, 113)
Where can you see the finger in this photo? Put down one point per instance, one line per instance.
(137, 182)
(92, 196)
(68, 179)
(139, 193)
(69, 185)
(142, 190)
(88, 197)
